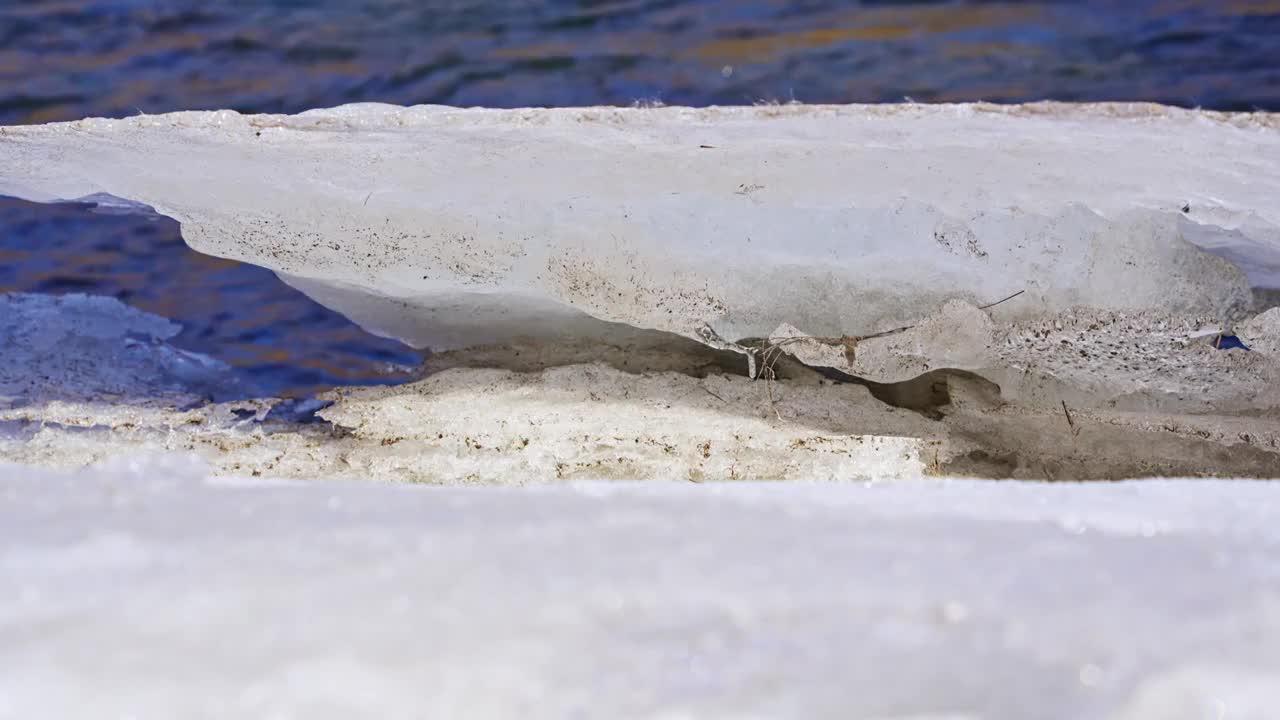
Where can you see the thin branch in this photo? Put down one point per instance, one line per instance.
(1070, 423)
(991, 305)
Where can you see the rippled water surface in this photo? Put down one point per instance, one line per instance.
(66, 59)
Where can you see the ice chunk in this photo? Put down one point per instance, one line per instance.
(1262, 332)
(448, 227)
(84, 347)
(105, 204)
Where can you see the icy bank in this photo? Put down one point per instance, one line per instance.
(147, 591)
(453, 228)
(1028, 291)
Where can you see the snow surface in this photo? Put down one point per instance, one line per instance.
(146, 590)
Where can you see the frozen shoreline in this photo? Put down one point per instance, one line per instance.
(1037, 292)
(170, 565)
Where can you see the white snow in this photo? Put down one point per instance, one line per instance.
(148, 591)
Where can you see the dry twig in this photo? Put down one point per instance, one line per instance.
(1070, 422)
(991, 305)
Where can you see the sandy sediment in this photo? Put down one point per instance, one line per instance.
(702, 422)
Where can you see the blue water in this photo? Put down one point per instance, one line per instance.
(66, 59)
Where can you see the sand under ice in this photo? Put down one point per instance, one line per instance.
(87, 379)
(147, 590)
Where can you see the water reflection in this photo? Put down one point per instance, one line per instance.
(64, 60)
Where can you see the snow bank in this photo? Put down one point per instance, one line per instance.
(147, 591)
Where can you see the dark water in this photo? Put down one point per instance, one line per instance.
(241, 314)
(66, 59)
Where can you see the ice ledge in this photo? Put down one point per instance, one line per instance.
(452, 228)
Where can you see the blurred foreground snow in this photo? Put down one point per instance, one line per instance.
(146, 590)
